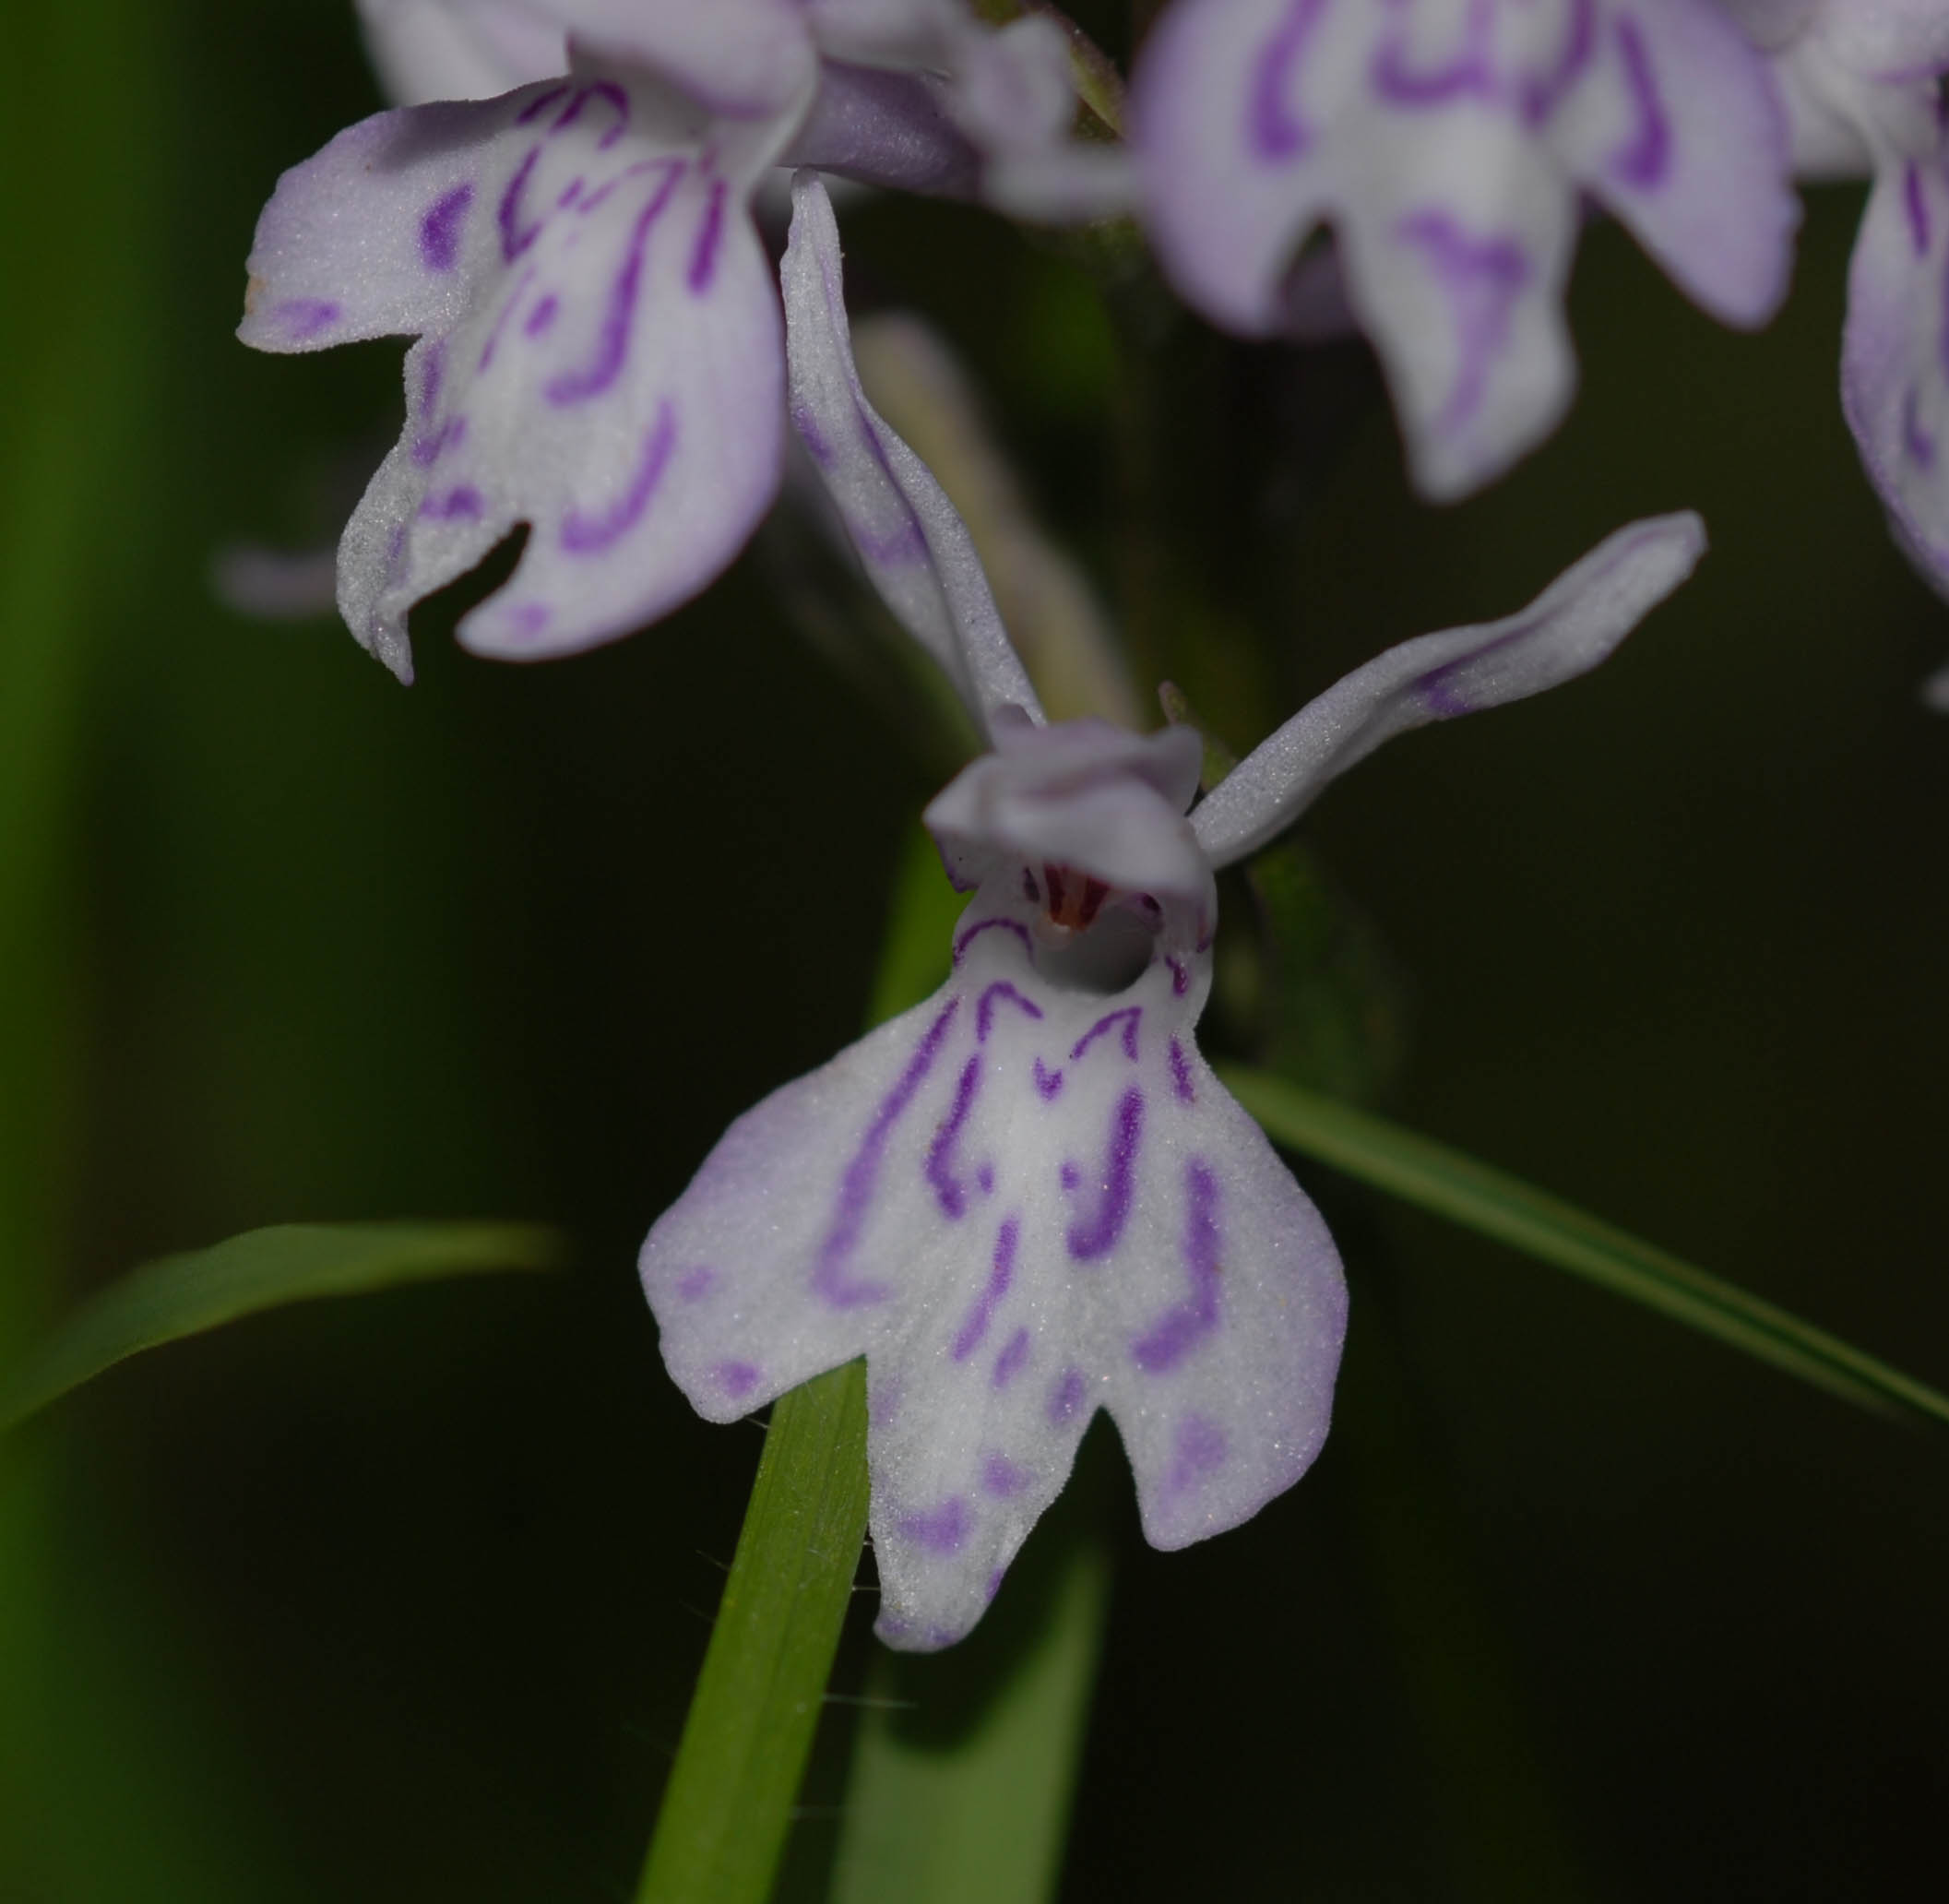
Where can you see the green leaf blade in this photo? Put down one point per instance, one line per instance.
(187, 1294)
(1494, 1203)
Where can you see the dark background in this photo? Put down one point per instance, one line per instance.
(401, 1599)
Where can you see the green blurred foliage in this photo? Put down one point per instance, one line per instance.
(401, 1599)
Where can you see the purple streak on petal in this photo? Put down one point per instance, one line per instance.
(589, 535)
(570, 193)
(463, 502)
(1471, 73)
(1917, 206)
(1181, 1075)
(862, 1175)
(1012, 1360)
(1002, 1272)
(1201, 1450)
(539, 104)
(942, 1530)
(985, 1178)
(613, 345)
(1180, 1328)
(611, 95)
(1101, 1235)
(1002, 1478)
(736, 1378)
(433, 372)
(973, 932)
(306, 316)
(502, 314)
(1047, 1083)
(939, 1168)
(984, 1012)
(1482, 278)
(1435, 687)
(1129, 1017)
(704, 259)
(814, 438)
(1917, 444)
(1277, 132)
(1067, 1398)
(1644, 162)
(693, 1285)
(515, 239)
(540, 318)
(439, 228)
(1541, 94)
(1180, 977)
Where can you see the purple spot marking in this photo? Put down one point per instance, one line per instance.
(939, 1167)
(1002, 1479)
(984, 1012)
(1129, 1017)
(1067, 1398)
(1916, 442)
(543, 315)
(942, 1530)
(1201, 1450)
(1917, 208)
(1470, 72)
(1010, 1363)
(704, 259)
(736, 1378)
(975, 931)
(461, 503)
(306, 316)
(862, 1175)
(968, 1338)
(515, 238)
(985, 1177)
(531, 617)
(1645, 159)
(1540, 96)
(611, 96)
(612, 344)
(1180, 977)
(1181, 1075)
(1482, 278)
(1180, 1328)
(1047, 1082)
(1278, 132)
(589, 535)
(1101, 1235)
(439, 228)
(693, 1285)
(537, 106)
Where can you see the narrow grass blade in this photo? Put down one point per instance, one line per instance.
(183, 1295)
(723, 1827)
(1498, 1205)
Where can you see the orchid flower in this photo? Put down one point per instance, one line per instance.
(598, 350)
(1447, 143)
(1030, 1197)
(1861, 79)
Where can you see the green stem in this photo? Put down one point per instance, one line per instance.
(725, 1813)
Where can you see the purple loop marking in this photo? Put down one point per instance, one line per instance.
(943, 1530)
(1541, 94)
(611, 95)
(1129, 1017)
(1047, 1083)
(1482, 278)
(538, 105)
(589, 535)
(1102, 1233)
(1647, 157)
(515, 237)
(974, 1327)
(1181, 1328)
(984, 1011)
(1278, 131)
(619, 317)
(975, 931)
(939, 1167)
(1471, 74)
(1013, 1358)
(439, 228)
(862, 1175)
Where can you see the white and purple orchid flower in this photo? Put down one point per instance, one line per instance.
(1862, 82)
(1448, 144)
(1030, 1197)
(600, 352)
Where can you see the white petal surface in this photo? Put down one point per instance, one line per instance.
(600, 352)
(1022, 1203)
(426, 49)
(910, 542)
(1566, 631)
